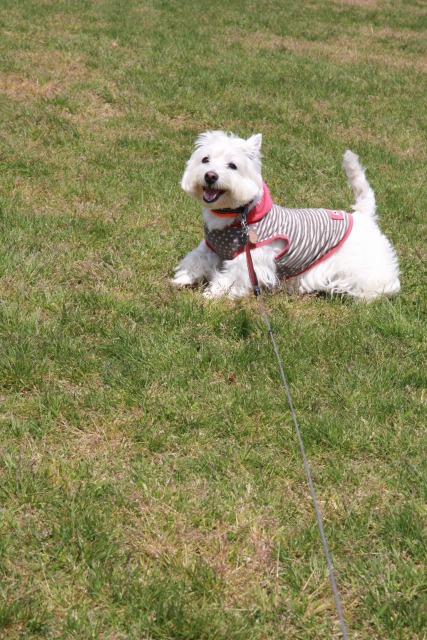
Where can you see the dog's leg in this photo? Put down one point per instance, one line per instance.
(233, 279)
(197, 265)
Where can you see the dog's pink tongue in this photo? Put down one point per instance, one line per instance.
(210, 194)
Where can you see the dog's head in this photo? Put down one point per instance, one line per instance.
(224, 171)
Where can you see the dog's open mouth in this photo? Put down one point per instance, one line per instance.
(211, 195)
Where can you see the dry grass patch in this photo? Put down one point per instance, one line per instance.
(20, 88)
(366, 4)
(39, 198)
(63, 67)
(407, 147)
(94, 112)
(344, 50)
(240, 555)
(56, 73)
(401, 142)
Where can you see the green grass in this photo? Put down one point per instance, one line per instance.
(151, 485)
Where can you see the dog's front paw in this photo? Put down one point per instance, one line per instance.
(225, 289)
(214, 291)
(182, 278)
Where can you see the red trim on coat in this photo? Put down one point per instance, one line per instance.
(263, 242)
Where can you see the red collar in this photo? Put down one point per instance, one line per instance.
(256, 213)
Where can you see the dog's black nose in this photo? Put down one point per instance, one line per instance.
(211, 177)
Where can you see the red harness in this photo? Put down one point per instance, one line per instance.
(255, 214)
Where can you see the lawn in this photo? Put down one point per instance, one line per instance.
(151, 484)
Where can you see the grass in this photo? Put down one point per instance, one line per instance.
(151, 484)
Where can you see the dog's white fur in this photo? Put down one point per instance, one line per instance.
(364, 267)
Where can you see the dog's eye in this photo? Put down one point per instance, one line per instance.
(205, 160)
(231, 165)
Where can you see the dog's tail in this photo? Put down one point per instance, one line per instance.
(363, 193)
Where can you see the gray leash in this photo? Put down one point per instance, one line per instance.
(257, 292)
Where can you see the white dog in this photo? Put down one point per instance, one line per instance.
(315, 249)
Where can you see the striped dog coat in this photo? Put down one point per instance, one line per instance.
(309, 235)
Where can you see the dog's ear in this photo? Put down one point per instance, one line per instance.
(203, 139)
(253, 146)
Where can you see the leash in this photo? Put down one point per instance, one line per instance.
(257, 292)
